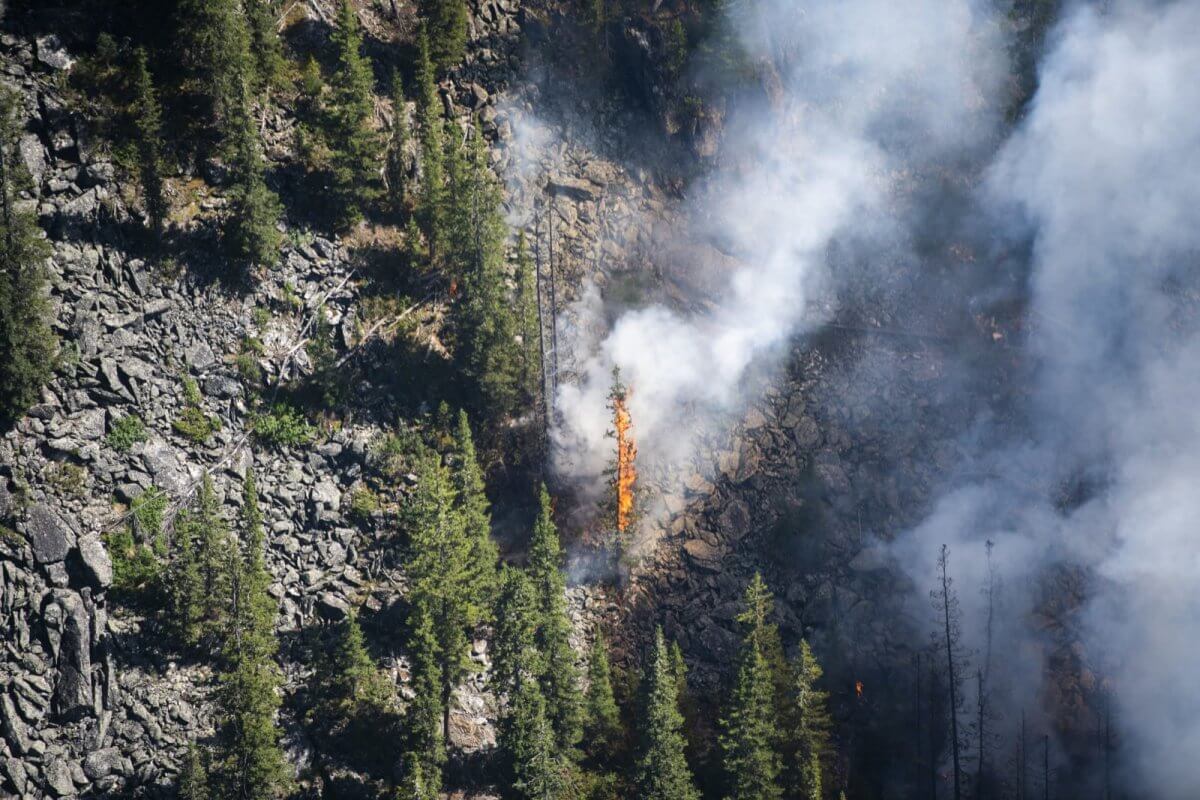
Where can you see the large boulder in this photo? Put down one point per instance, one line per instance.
(50, 534)
(97, 566)
(73, 688)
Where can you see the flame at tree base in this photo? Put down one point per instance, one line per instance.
(626, 476)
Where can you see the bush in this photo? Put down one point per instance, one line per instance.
(193, 422)
(125, 433)
(67, 478)
(363, 503)
(283, 426)
(137, 549)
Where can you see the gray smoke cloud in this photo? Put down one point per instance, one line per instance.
(861, 91)
(1103, 177)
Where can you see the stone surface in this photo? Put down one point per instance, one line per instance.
(50, 535)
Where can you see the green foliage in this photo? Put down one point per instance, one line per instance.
(251, 228)
(283, 426)
(198, 579)
(749, 738)
(476, 517)
(397, 148)
(137, 549)
(446, 21)
(125, 433)
(193, 777)
(353, 686)
(27, 343)
(67, 478)
(214, 42)
(810, 735)
(147, 126)
(602, 734)
(560, 674)
(431, 205)
(514, 646)
(676, 43)
(352, 138)
(662, 771)
(528, 324)
(193, 422)
(425, 751)
(247, 360)
(252, 759)
(363, 503)
(264, 44)
(540, 771)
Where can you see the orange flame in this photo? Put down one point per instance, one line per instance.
(453, 288)
(858, 689)
(626, 455)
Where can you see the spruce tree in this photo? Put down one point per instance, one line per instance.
(529, 326)
(539, 769)
(253, 765)
(440, 571)
(431, 206)
(27, 343)
(193, 777)
(425, 751)
(147, 127)
(560, 674)
(250, 228)
(215, 43)
(476, 515)
(812, 725)
(484, 340)
(397, 149)
(356, 687)
(447, 24)
(200, 574)
(602, 719)
(352, 138)
(515, 658)
(749, 738)
(264, 44)
(662, 771)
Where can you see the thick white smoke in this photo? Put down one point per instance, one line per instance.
(1104, 175)
(867, 90)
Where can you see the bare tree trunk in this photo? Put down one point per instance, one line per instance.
(1108, 749)
(933, 753)
(1045, 767)
(537, 262)
(1022, 768)
(917, 720)
(950, 673)
(553, 299)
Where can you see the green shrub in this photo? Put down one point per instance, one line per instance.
(193, 422)
(284, 426)
(125, 433)
(67, 478)
(363, 503)
(137, 550)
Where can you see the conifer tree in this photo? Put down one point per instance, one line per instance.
(425, 744)
(200, 574)
(431, 211)
(539, 769)
(529, 326)
(446, 21)
(397, 149)
(193, 778)
(250, 228)
(812, 725)
(253, 765)
(147, 126)
(356, 686)
(602, 719)
(440, 571)
(476, 514)
(560, 674)
(215, 42)
(27, 343)
(484, 340)
(749, 737)
(264, 44)
(662, 771)
(352, 137)
(515, 658)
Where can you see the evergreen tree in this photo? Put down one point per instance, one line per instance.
(27, 343)
(484, 340)
(264, 44)
(397, 150)
(253, 765)
(250, 228)
(602, 719)
(749, 737)
(812, 725)
(446, 21)
(529, 326)
(200, 576)
(431, 208)
(147, 125)
(560, 674)
(515, 658)
(476, 515)
(440, 570)
(356, 687)
(425, 743)
(354, 143)
(215, 44)
(662, 771)
(539, 770)
(193, 778)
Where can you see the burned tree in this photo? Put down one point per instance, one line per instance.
(946, 603)
(622, 473)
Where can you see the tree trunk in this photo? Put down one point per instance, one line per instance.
(951, 677)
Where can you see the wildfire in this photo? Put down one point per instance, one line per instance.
(858, 689)
(626, 475)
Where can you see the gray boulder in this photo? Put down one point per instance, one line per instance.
(50, 535)
(97, 565)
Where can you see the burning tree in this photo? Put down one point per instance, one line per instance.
(622, 474)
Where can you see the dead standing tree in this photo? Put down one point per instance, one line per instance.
(945, 601)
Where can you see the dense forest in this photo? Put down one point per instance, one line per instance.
(173, 520)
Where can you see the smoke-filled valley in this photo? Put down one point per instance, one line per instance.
(748, 399)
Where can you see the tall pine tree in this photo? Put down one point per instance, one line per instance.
(351, 134)
(147, 126)
(425, 750)
(264, 44)
(250, 228)
(662, 771)
(602, 733)
(253, 765)
(476, 515)
(214, 40)
(431, 205)
(560, 674)
(397, 148)
(199, 574)
(813, 725)
(447, 24)
(193, 778)
(528, 323)
(27, 343)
